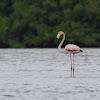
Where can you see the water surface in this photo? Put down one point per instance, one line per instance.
(44, 74)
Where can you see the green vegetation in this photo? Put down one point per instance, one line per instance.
(35, 23)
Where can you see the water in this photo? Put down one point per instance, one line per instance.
(44, 74)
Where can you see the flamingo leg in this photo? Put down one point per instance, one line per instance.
(71, 65)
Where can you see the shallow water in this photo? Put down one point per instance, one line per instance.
(44, 74)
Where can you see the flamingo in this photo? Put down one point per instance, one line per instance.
(69, 49)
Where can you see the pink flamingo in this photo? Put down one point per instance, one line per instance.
(69, 49)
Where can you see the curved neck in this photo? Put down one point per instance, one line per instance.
(59, 47)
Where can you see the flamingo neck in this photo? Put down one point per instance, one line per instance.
(59, 47)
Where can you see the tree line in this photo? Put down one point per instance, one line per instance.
(35, 23)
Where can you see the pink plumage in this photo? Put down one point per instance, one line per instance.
(72, 47)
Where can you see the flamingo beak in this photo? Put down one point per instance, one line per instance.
(58, 36)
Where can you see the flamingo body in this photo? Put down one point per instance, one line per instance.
(72, 48)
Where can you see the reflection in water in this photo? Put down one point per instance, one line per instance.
(44, 74)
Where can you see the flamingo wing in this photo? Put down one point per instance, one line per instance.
(72, 47)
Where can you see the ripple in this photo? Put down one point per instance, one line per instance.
(9, 95)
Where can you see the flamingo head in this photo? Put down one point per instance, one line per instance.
(59, 34)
